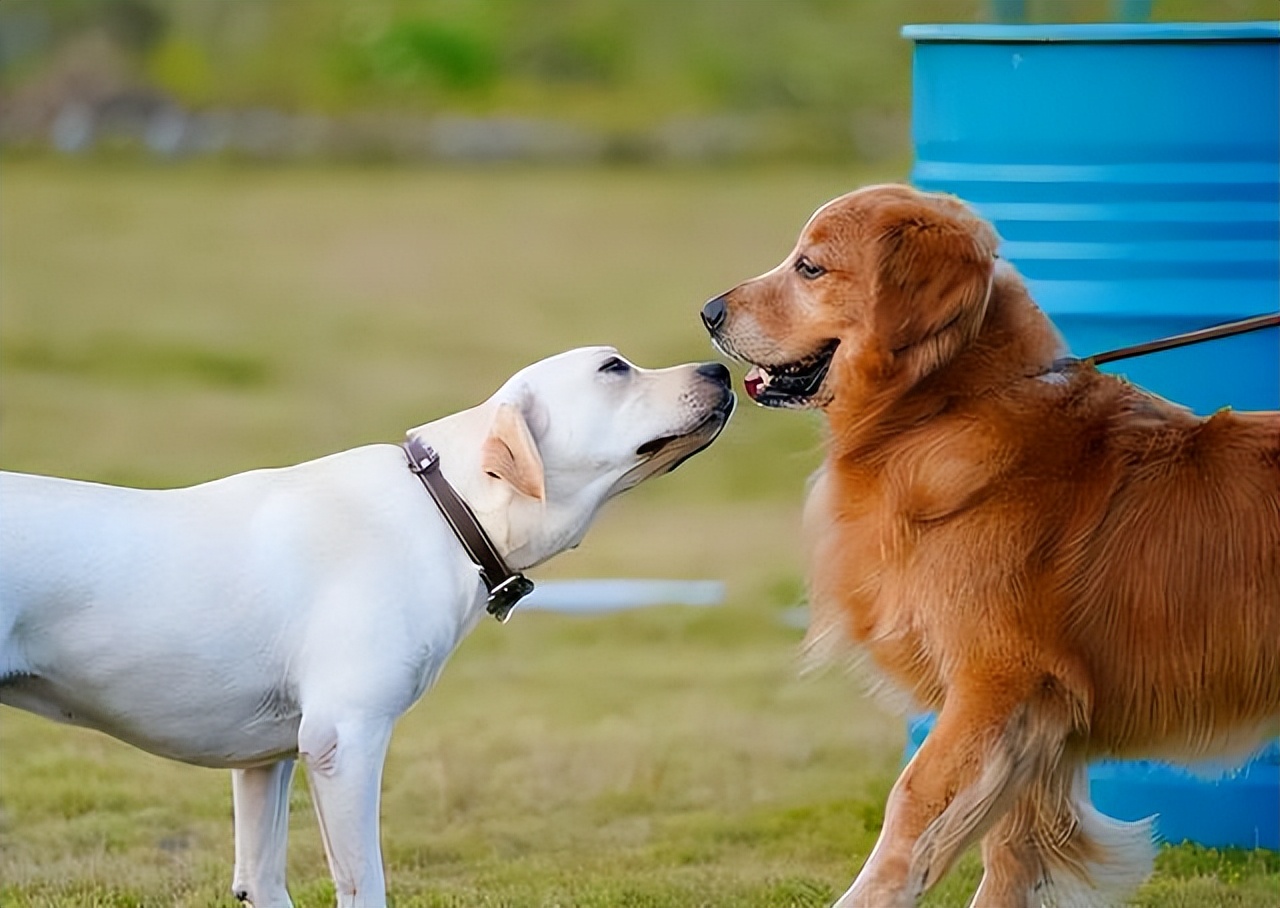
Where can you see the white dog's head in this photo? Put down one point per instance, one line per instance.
(568, 433)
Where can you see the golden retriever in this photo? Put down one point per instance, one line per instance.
(1060, 564)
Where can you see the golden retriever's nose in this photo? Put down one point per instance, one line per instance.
(713, 314)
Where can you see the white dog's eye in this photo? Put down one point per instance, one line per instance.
(615, 364)
(808, 270)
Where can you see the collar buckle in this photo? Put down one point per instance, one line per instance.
(504, 597)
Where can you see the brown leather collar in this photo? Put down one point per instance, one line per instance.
(506, 587)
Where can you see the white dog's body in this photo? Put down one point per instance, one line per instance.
(239, 592)
(302, 610)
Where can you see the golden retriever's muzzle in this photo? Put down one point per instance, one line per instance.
(793, 385)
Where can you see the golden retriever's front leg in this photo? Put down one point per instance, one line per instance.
(986, 746)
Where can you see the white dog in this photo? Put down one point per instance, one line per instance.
(300, 611)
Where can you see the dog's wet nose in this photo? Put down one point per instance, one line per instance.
(714, 371)
(713, 314)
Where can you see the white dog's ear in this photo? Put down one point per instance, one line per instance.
(509, 453)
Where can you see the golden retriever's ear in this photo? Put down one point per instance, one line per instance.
(510, 454)
(935, 263)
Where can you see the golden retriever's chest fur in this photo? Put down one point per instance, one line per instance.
(893, 542)
(1099, 557)
(858, 592)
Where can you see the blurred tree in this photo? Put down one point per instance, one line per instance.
(816, 73)
(432, 53)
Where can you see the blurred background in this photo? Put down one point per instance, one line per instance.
(243, 233)
(574, 81)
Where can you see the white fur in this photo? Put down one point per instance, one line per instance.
(1129, 849)
(300, 611)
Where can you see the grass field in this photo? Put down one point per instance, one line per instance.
(161, 327)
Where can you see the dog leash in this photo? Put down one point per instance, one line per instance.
(506, 587)
(1227, 329)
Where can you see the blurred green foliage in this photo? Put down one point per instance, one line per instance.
(420, 51)
(595, 60)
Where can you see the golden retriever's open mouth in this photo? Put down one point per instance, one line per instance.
(791, 384)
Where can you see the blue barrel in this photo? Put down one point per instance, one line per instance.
(1133, 172)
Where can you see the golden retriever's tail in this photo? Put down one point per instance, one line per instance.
(1103, 862)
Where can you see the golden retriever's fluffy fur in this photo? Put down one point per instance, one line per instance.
(1061, 564)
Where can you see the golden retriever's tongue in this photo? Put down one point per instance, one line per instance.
(754, 382)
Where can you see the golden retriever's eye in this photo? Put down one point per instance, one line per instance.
(808, 270)
(615, 365)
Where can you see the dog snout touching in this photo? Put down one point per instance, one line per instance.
(717, 372)
(714, 313)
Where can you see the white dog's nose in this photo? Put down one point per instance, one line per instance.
(717, 372)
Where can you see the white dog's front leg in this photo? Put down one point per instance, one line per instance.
(261, 805)
(344, 766)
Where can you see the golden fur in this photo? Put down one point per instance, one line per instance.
(1061, 564)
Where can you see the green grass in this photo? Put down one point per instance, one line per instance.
(161, 327)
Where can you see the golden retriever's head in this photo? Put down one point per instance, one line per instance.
(886, 285)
